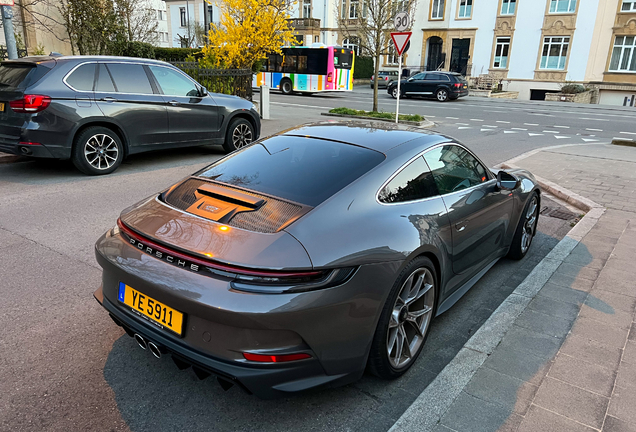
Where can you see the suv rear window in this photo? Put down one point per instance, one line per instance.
(304, 170)
(20, 75)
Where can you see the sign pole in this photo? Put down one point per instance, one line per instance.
(397, 108)
(9, 37)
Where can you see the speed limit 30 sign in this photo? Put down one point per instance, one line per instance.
(402, 21)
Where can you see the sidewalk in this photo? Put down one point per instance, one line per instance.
(560, 353)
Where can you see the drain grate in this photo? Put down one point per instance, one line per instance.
(557, 213)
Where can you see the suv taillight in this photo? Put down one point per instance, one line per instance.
(386, 78)
(30, 104)
(458, 85)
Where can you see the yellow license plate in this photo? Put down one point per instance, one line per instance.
(156, 312)
(1, 106)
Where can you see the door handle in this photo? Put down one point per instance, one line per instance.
(108, 99)
(174, 103)
(461, 226)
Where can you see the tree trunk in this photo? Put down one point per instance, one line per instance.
(375, 81)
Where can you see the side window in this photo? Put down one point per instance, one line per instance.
(104, 81)
(82, 78)
(172, 83)
(412, 183)
(130, 78)
(454, 169)
(419, 77)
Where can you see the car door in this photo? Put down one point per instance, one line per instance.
(434, 81)
(123, 92)
(415, 84)
(478, 210)
(192, 117)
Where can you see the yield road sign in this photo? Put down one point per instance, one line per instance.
(400, 40)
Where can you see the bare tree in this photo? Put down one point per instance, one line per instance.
(195, 36)
(139, 19)
(370, 22)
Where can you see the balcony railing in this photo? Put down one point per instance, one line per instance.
(305, 23)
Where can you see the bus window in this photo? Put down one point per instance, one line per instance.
(274, 63)
(342, 59)
(302, 64)
(290, 64)
(317, 60)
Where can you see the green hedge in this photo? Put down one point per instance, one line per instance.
(133, 49)
(363, 68)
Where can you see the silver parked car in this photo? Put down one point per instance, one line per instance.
(313, 255)
(384, 78)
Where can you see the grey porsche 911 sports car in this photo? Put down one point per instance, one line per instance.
(313, 255)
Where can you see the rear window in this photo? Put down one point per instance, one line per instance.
(16, 75)
(304, 170)
(82, 78)
(342, 59)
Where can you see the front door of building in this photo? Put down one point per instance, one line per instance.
(435, 60)
(460, 54)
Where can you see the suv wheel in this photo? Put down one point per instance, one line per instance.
(97, 151)
(394, 92)
(240, 134)
(442, 95)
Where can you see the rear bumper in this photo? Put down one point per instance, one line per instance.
(39, 151)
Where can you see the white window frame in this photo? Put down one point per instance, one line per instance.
(554, 6)
(437, 9)
(508, 7)
(353, 44)
(550, 42)
(631, 6)
(353, 9)
(465, 6)
(502, 42)
(306, 8)
(624, 54)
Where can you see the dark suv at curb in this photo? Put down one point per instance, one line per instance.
(440, 85)
(97, 110)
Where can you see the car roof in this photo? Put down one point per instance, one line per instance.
(37, 59)
(378, 136)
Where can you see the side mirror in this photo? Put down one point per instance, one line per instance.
(410, 79)
(507, 181)
(204, 91)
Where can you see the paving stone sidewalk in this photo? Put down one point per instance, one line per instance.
(568, 363)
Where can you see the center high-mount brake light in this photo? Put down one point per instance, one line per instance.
(262, 358)
(30, 104)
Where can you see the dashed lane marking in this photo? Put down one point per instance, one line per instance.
(520, 129)
(546, 131)
(562, 127)
(452, 118)
(464, 127)
(628, 133)
(595, 119)
(531, 124)
(510, 131)
(489, 126)
(589, 140)
(534, 134)
(595, 130)
(501, 121)
(561, 137)
(475, 120)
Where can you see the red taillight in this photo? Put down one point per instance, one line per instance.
(29, 143)
(458, 85)
(30, 104)
(330, 77)
(372, 77)
(275, 358)
(386, 78)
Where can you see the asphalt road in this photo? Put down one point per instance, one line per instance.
(64, 365)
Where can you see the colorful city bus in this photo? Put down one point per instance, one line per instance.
(308, 70)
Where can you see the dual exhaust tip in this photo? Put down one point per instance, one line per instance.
(146, 344)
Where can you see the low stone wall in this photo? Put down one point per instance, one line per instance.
(490, 94)
(584, 98)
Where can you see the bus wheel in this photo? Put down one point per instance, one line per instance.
(286, 86)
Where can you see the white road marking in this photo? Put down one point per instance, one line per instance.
(550, 131)
(464, 127)
(589, 140)
(530, 124)
(534, 134)
(489, 126)
(628, 133)
(543, 115)
(509, 132)
(462, 124)
(595, 119)
(500, 121)
(452, 118)
(562, 127)
(561, 137)
(522, 129)
(619, 138)
(475, 120)
(483, 130)
(595, 130)
(299, 105)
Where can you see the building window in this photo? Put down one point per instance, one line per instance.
(182, 15)
(555, 52)
(508, 7)
(353, 9)
(501, 53)
(465, 9)
(628, 5)
(437, 9)
(392, 58)
(210, 14)
(352, 44)
(562, 6)
(344, 9)
(306, 8)
(624, 54)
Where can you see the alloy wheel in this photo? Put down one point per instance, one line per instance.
(529, 225)
(442, 95)
(241, 136)
(101, 151)
(410, 318)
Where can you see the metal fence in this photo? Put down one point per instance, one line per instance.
(4, 55)
(236, 82)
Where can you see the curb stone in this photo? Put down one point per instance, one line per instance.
(430, 406)
(422, 124)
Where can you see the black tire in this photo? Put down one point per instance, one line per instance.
(518, 249)
(239, 134)
(286, 86)
(97, 150)
(442, 95)
(379, 363)
(372, 86)
(394, 92)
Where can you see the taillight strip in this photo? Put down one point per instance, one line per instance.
(212, 264)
